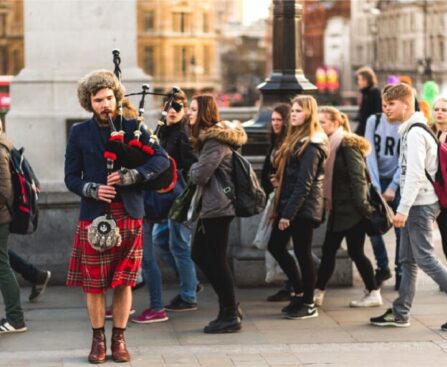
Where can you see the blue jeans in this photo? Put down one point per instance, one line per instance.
(416, 250)
(8, 282)
(172, 242)
(151, 270)
(378, 243)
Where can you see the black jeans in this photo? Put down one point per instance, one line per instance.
(28, 271)
(355, 239)
(301, 231)
(209, 252)
(442, 225)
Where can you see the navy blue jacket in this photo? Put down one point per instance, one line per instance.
(85, 162)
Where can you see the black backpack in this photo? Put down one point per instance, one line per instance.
(244, 191)
(25, 212)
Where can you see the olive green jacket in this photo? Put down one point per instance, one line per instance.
(349, 184)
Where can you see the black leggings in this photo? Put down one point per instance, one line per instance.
(442, 225)
(355, 239)
(301, 231)
(209, 252)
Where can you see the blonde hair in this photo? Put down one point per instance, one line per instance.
(93, 82)
(336, 115)
(401, 92)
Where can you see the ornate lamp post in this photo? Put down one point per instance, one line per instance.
(287, 78)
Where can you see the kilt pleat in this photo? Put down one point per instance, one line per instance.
(97, 271)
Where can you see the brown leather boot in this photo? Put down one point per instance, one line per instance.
(119, 349)
(98, 351)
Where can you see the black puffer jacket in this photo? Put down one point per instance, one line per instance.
(175, 140)
(302, 186)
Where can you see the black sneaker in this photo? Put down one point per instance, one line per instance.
(388, 319)
(178, 304)
(382, 275)
(444, 327)
(295, 302)
(38, 288)
(303, 311)
(8, 328)
(282, 295)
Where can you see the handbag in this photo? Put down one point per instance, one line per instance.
(157, 204)
(381, 219)
(180, 206)
(264, 230)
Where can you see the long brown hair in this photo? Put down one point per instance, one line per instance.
(207, 116)
(277, 139)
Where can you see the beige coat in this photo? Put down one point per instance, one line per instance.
(6, 189)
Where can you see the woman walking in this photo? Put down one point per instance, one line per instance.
(214, 140)
(299, 204)
(345, 194)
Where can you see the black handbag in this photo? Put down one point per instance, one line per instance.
(381, 219)
(157, 204)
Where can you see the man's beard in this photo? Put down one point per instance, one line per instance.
(103, 117)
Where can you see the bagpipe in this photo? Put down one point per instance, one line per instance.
(135, 153)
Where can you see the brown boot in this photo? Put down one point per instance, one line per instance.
(119, 349)
(98, 351)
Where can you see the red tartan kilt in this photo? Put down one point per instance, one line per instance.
(97, 271)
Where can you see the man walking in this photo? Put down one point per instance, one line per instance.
(418, 208)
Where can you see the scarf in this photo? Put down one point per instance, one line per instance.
(334, 142)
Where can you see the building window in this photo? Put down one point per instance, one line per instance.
(148, 21)
(149, 60)
(2, 25)
(181, 22)
(206, 24)
(4, 60)
(207, 59)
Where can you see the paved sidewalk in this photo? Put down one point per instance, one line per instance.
(59, 333)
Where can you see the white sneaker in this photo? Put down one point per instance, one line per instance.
(371, 299)
(318, 297)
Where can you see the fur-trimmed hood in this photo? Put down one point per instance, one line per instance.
(228, 132)
(356, 141)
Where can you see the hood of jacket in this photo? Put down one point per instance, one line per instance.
(322, 141)
(417, 117)
(231, 133)
(358, 142)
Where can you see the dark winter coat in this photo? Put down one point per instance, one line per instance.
(218, 143)
(175, 140)
(267, 171)
(349, 184)
(302, 185)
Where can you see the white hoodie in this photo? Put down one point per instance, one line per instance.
(418, 152)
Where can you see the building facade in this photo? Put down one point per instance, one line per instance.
(11, 37)
(398, 37)
(177, 44)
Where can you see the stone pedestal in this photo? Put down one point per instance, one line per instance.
(64, 40)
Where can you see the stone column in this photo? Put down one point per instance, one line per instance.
(64, 40)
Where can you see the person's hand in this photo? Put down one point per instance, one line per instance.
(283, 224)
(274, 181)
(389, 195)
(114, 179)
(106, 193)
(399, 220)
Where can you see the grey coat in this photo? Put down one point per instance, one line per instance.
(216, 153)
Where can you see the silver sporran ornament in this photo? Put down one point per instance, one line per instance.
(103, 233)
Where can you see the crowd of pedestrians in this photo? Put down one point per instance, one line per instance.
(316, 170)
